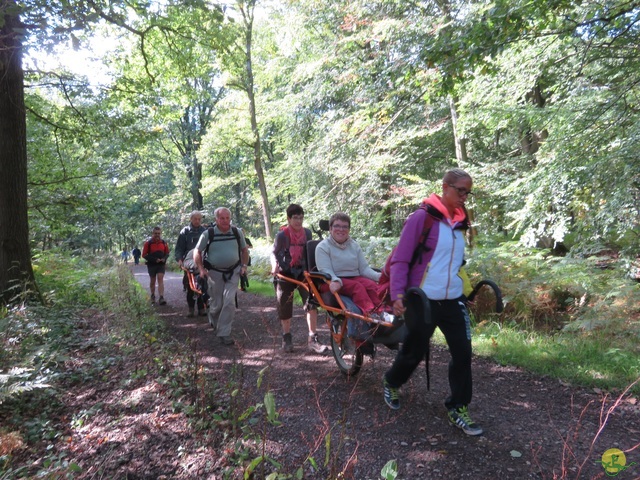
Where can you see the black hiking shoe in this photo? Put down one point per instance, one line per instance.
(366, 348)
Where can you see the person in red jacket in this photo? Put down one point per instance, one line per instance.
(155, 252)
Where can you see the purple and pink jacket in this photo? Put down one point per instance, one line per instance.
(436, 270)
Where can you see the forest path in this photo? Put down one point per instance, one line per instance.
(535, 427)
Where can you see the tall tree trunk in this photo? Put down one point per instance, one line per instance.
(194, 173)
(530, 140)
(257, 148)
(15, 255)
(460, 142)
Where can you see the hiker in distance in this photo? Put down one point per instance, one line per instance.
(155, 252)
(187, 240)
(136, 253)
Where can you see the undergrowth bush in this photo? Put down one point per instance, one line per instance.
(566, 317)
(109, 325)
(38, 339)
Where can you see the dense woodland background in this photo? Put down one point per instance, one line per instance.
(355, 106)
(119, 115)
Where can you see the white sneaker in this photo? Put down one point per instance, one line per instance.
(314, 344)
(388, 317)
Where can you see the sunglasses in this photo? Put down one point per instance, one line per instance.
(461, 191)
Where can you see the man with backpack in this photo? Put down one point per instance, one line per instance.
(187, 240)
(289, 258)
(222, 259)
(156, 251)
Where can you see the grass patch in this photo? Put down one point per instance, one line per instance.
(266, 289)
(262, 288)
(574, 358)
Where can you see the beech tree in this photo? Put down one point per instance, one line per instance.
(15, 253)
(239, 62)
(358, 106)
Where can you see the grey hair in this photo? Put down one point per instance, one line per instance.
(455, 174)
(195, 213)
(220, 209)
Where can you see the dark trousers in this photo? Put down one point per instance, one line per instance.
(452, 318)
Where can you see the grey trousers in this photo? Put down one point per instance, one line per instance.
(222, 306)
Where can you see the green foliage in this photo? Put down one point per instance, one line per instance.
(557, 311)
(390, 470)
(35, 338)
(39, 342)
(579, 359)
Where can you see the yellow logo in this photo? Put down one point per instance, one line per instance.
(614, 461)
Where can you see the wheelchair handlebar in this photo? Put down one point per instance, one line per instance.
(496, 291)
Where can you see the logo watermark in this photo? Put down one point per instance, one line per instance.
(614, 461)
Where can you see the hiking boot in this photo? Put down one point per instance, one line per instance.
(314, 345)
(226, 340)
(153, 299)
(191, 313)
(391, 395)
(161, 301)
(287, 343)
(459, 417)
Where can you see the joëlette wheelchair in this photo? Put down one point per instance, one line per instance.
(354, 335)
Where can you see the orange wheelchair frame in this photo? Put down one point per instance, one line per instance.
(345, 350)
(349, 352)
(192, 281)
